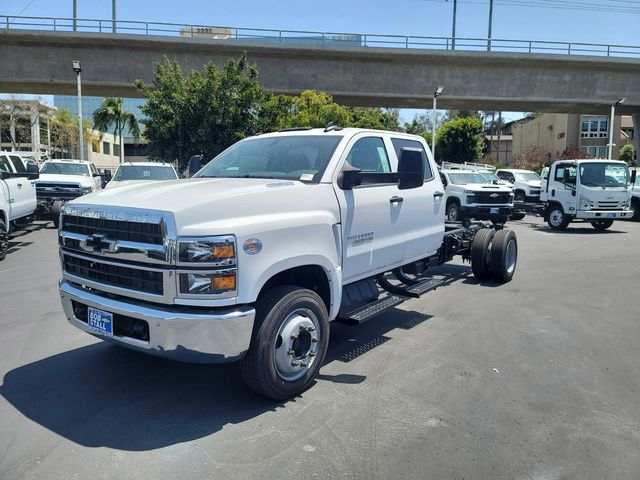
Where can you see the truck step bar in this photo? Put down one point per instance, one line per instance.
(362, 314)
(398, 295)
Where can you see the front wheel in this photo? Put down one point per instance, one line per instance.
(635, 208)
(602, 225)
(453, 212)
(289, 342)
(4, 240)
(557, 219)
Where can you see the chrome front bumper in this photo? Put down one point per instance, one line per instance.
(603, 214)
(184, 334)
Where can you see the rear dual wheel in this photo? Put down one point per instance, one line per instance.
(494, 255)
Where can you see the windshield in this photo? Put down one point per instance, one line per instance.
(604, 175)
(288, 157)
(526, 176)
(490, 177)
(467, 178)
(144, 172)
(63, 168)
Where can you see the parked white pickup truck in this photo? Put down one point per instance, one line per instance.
(253, 257)
(62, 180)
(595, 191)
(17, 194)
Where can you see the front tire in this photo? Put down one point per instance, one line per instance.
(635, 208)
(453, 212)
(557, 219)
(4, 240)
(602, 225)
(519, 197)
(289, 342)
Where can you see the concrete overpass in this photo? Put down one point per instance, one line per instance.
(40, 62)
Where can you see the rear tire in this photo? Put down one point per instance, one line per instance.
(504, 256)
(556, 218)
(518, 216)
(602, 225)
(289, 342)
(4, 240)
(56, 221)
(519, 197)
(479, 253)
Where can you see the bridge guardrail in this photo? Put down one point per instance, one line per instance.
(302, 37)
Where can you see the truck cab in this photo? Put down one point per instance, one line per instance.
(469, 194)
(17, 194)
(526, 184)
(595, 191)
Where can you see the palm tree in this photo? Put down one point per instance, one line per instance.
(112, 113)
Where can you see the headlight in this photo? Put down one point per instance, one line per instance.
(211, 250)
(86, 190)
(207, 283)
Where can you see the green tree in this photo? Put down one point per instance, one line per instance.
(460, 140)
(207, 110)
(317, 110)
(111, 113)
(627, 153)
(65, 137)
(374, 118)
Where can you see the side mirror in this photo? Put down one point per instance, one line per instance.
(195, 164)
(633, 177)
(410, 169)
(96, 175)
(349, 177)
(32, 171)
(3, 174)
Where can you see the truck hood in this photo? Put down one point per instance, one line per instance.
(204, 206)
(534, 183)
(488, 188)
(71, 179)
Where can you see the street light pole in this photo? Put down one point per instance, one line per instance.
(436, 94)
(75, 15)
(490, 25)
(78, 70)
(453, 27)
(610, 145)
(113, 14)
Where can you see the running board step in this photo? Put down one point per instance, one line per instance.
(362, 314)
(425, 286)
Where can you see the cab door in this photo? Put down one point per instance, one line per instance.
(22, 189)
(422, 211)
(370, 212)
(7, 186)
(561, 192)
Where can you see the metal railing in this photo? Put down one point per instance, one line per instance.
(305, 37)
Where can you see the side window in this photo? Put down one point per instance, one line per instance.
(559, 176)
(444, 179)
(502, 175)
(400, 143)
(511, 177)
(4, 164)
(17, 163)
(370, 156)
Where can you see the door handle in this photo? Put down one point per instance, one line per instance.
(438, 194)
(19, 185)
(396, 199)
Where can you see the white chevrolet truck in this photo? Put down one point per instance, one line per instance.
(17, 194)
(274, 238)
(594, 191)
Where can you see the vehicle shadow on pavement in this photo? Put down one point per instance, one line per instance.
(105, 396)
(572, 230)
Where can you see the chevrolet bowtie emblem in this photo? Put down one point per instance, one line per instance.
(99, 244)
(494, 195)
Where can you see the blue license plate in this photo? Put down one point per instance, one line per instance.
(611, 215)
(100, 321)
(495, 210)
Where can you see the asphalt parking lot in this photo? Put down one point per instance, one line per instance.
(535, 379)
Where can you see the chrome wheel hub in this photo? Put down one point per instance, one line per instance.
(296, 345)
(511, 256)
(556, 218)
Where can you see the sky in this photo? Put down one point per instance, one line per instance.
(580, 21)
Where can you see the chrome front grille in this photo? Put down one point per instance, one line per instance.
(125, 251)
(60, 191)
(610, 205)
(123, 276)
(492, 198)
